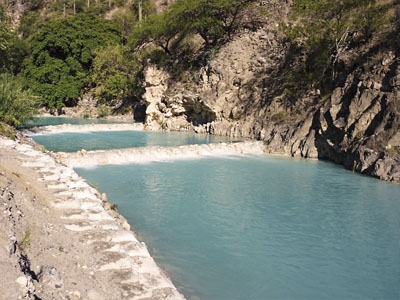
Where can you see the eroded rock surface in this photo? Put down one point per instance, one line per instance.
(356, 126)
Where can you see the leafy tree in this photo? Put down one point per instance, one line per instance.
(13, 51)
(62, 55)
(128, 17)
(215, 21)
(30, 22)
(17, 105)
(160, 30)
(113, 74)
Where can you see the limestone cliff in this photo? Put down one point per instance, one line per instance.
(357, 125)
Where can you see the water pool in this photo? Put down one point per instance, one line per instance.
(72, 142)
(46, 121)
(262, 227)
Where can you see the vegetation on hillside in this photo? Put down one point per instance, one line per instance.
(114, 73)
(214, 21)
(186, 35)
(17, 104)
(63, 50)
(327, 31)
(13, 50)
(61, 58)
(39, 12)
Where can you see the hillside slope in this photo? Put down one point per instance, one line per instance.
(240, 88)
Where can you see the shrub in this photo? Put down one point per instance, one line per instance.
(327, 29)
(113, 74)
(7, 131)
(278, 117)
(102, 111)
(62, 55)
(16, 104)
(214, 21)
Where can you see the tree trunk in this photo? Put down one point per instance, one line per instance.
(140, 10)
(74, 7)
(64, 13)
(88, 3)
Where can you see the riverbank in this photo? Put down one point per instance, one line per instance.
(62, 240)
(382, 165)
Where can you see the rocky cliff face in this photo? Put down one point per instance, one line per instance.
(356, 126)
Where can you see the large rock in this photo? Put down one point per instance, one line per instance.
(357, 125)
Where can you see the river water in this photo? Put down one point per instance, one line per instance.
(259, 227)
(72, 142)
(46, 121)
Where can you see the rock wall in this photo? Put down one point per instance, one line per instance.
(356, 126)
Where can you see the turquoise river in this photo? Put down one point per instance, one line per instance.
(253, 227)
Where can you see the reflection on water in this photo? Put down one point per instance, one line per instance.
(72, 142)
(45, 121)
(262, 228)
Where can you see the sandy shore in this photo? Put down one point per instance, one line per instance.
(61, 240)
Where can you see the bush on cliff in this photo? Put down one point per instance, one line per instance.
(327, 30)
(184, 37)
(114, 74)
(198, 113)
(215, 21)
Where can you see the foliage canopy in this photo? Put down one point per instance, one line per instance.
(62, 55)
(16, 104)
(113, 74)
(215, 21)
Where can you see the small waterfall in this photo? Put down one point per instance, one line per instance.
(53, 129)
(85, 158)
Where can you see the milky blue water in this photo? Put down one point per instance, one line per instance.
(261, 227)
(72, 142)
(45, 121)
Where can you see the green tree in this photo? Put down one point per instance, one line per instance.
(13, 51)
(62, 55)
(214, 20)
(17, 105)
(113, 74)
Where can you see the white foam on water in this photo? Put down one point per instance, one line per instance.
(151, 154)
(54, 129)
